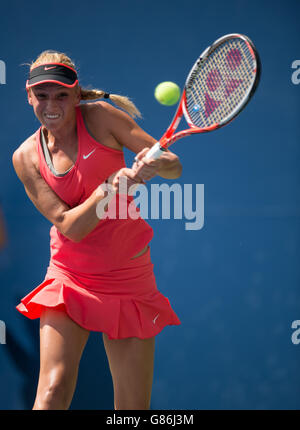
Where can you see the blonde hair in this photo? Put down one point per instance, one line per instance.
(123, 102)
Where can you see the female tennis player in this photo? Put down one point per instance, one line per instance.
(100, 276)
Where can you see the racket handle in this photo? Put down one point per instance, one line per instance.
(156, 151)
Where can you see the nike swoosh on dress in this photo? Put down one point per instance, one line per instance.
(87, 156)
(154, 320)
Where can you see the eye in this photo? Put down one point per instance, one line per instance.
(41, 96)
(62, 95)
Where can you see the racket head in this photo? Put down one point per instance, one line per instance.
(221, 83)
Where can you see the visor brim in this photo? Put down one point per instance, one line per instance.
(64, 81)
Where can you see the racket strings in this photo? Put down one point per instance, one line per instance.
(221, 84)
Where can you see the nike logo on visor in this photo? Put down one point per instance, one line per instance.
(87, 156)
(48, 68)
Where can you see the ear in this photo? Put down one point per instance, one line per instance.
(29, 96)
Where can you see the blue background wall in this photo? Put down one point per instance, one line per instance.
(235, 283)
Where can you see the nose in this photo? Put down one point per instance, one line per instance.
(51, 104)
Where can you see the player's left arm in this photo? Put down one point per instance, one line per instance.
(129, 134)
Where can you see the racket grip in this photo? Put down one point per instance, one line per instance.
(156, 151)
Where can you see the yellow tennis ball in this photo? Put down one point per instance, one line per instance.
(167, 93)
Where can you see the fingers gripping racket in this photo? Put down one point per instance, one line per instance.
(218, 87)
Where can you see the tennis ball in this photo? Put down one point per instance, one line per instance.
(167, 93)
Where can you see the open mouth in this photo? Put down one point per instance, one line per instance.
(52, 116)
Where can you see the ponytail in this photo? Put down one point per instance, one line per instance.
(120, 101)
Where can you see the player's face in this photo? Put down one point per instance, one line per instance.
(53, 104)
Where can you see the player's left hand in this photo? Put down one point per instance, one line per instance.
(123, 180)
(146, 169)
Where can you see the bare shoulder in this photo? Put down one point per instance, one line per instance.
(25, 158)
(102, 119)
(114, 127)
(105, 111)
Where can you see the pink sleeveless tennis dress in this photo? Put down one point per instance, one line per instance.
(98, 283)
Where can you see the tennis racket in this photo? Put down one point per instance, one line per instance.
(218, 87)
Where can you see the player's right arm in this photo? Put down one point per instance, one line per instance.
(73, 223)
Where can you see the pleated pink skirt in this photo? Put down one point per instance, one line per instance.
(121, 303)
